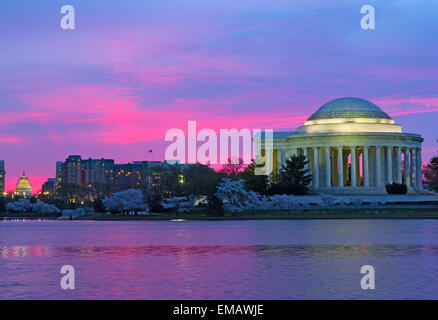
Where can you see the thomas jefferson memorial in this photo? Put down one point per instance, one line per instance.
(353, 147)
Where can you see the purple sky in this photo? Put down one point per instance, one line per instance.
(134, 69)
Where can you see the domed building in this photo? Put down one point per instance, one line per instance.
(353, 147)
(23, 187)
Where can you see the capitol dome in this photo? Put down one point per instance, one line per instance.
(23, 186)
(349, 108)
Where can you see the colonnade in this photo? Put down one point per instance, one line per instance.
(360, 166)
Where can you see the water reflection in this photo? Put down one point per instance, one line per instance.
(219, 260)
(298, 251)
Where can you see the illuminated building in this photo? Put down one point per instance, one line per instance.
(75, 170)
(48, 186)
(23, 187)
(91, 172)
(2, 177)
(353, 147)
(58, 175)
(131, 175)
(72, 170)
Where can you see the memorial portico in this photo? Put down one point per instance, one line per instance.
(353, 147)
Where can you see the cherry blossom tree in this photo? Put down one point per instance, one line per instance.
(130, 200)
(282, 201)
(233, 195)
(327, 200)
(24, 205)
(180, 204)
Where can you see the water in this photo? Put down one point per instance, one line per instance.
(265, 259)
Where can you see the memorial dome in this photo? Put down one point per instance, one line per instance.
(349, 115)
(344, 108)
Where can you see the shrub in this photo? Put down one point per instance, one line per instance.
(294, 189)
(396, 188)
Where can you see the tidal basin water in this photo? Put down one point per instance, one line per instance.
(264, 259)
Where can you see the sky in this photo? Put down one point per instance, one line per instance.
(132, 70)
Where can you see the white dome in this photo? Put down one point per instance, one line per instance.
(346, 115)
(349, 108)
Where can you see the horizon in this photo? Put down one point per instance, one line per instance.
(130, 72)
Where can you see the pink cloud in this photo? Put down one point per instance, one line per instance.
(10, 139)
(411, 105)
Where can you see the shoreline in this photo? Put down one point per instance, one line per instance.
(179, 219)
(430, 212)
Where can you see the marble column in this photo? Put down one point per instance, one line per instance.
(280, 159)
(306, 155)
(328, 177)
(407, 171)
(399, 168)
(413, 169)
(419, 170)
(366, 172)
(353, 168)
(340, 167)
(316, 167)
(389, 164)
(378, 167)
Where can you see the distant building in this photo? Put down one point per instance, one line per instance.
(72, 170)
(23, 187)
(130, 175)
(2, 176)
(82, 172)
(117, 177)
(49, 186)
(58, 175)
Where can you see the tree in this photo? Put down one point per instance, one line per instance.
(256, 202)
(282, 201)
(180, 204)
(201, 180)
(233, 195)
(154, 200)
(25, 206)
(257, 183)
(293, 177)
(356, 201)
(2, 204)
(130, 200)
(98, 206)
(98, 190)
(21, 205)
(233, 167)
(430, 172)
(327, 201)
(44, 208)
